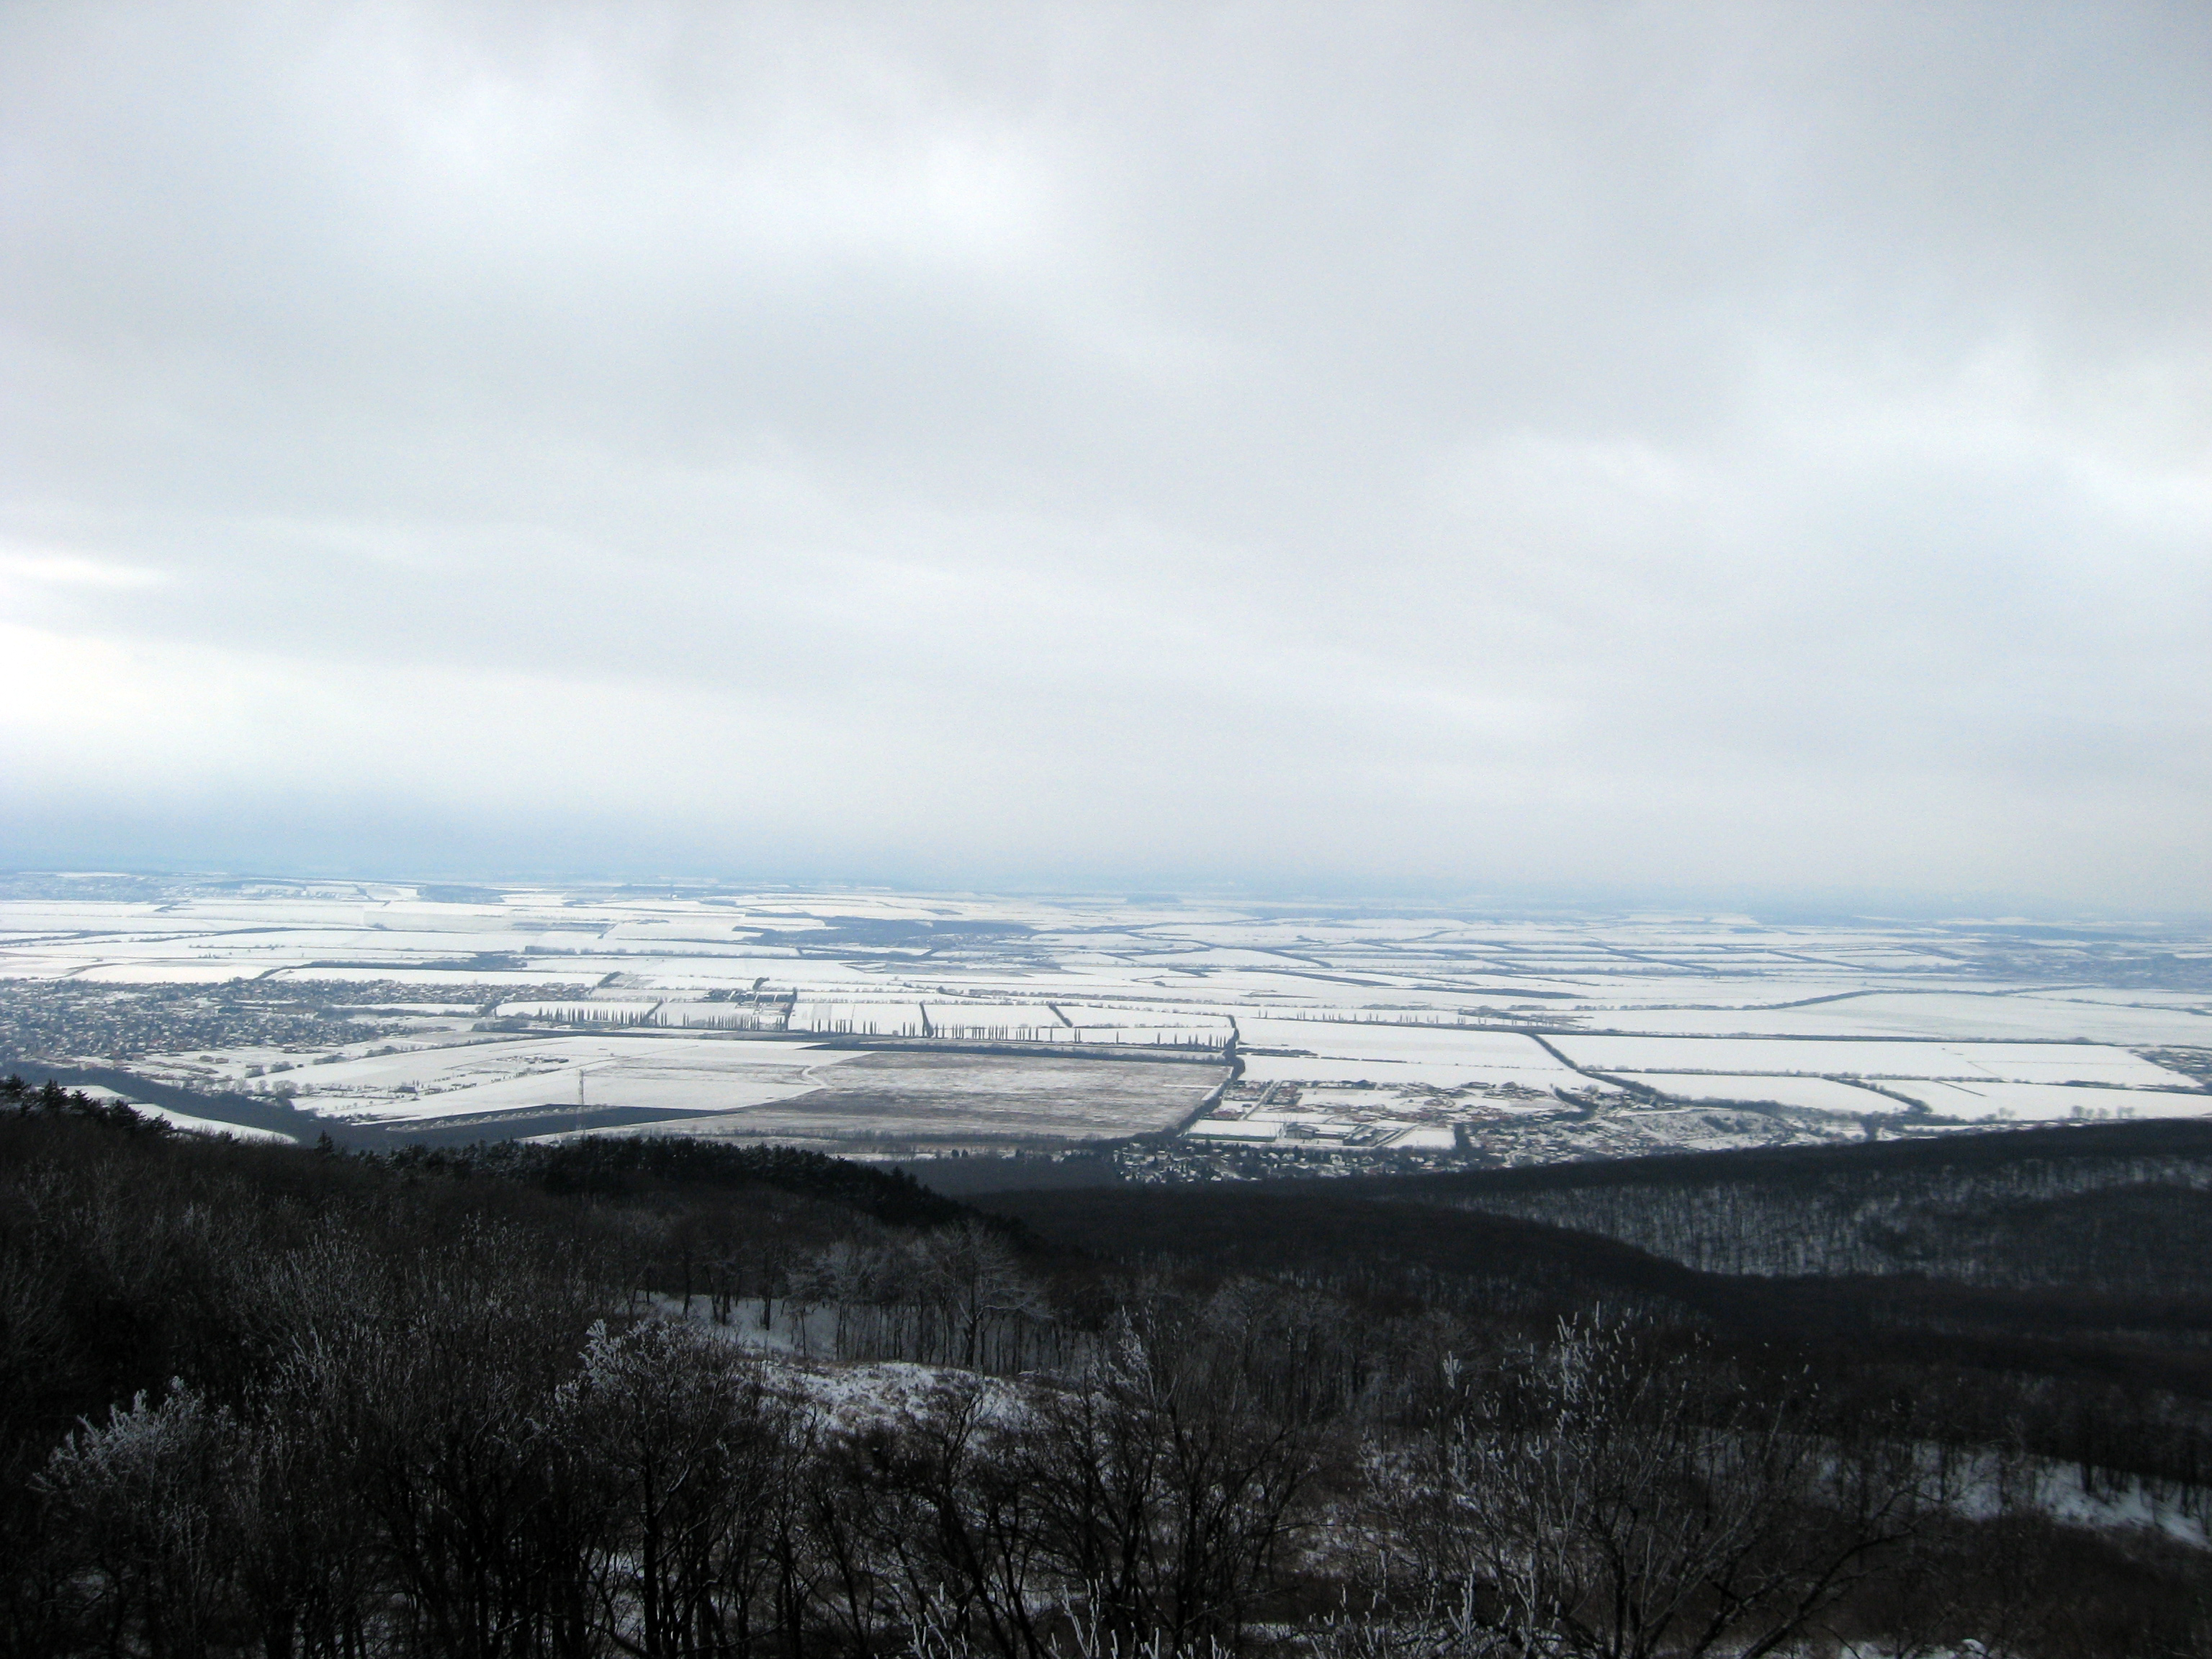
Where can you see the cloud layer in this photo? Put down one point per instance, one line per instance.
(1604, 446)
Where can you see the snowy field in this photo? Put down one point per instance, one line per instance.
(2014, 1063)
(1343, 1050)
(1980, 1016)
(1403, 1029)
(639, 1069)
(1815, 1094)
(978, 1020)
(2045, 1102)
(976, 1099)
(184, 1121)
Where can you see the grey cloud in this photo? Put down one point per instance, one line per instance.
(1474, 444)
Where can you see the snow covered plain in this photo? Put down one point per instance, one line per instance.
(642, 1068)
(945, 1020)
(1817, 1094)
(184, 1121)
(2016, 1062)
(2045, 1103)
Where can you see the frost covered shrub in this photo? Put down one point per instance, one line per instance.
(686, 1468)
(143, 1503)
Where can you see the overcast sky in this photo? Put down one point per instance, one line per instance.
(1598, 447)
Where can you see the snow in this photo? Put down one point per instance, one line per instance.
(2020, 1062)
(207, 1126)
(1347, 1052)
(1940, 1015)
(901, 1018)
(1814, 1093)
(611, 1011)
(997, 1021)
(1423, 1138)
(1236, 1129)
(1705, 1007)
(2047, 1102)
(153, 970)
(185, 1121)
(846, 1397)
(641, 1068)
(1005, 1022)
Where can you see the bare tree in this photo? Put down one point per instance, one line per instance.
(1605, 1501)
(1168, 1496)
(690, 1451)
(970, 1275)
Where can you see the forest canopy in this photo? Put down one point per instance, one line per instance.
(634, 1395)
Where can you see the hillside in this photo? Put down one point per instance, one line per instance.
(634, 1395)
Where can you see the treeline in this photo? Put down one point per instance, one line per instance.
(287, 1401)
(629, 1166)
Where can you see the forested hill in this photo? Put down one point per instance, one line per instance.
(631, 1166)
(2121, 1209)
(513, 1401)
(130, 1253)
(1804, 1166)
(2012, 1271)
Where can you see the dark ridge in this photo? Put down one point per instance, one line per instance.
(247, 1111)
(1990, 1149)
(966, 1177)
(1335, 1237)
(51, 1101)
(1269, 1231)
(628, 1165)
(593, 1165)
(366, 1377)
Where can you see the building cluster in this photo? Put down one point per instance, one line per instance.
(71, 1019)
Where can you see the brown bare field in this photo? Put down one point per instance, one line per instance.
(940, 1097)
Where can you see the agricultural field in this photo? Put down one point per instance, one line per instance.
(2000, 1102)
(633, 1068)
(1349, 1049)
(2016, 1062)
(981, 1100)
(921, 1023)
(1812, 1094)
